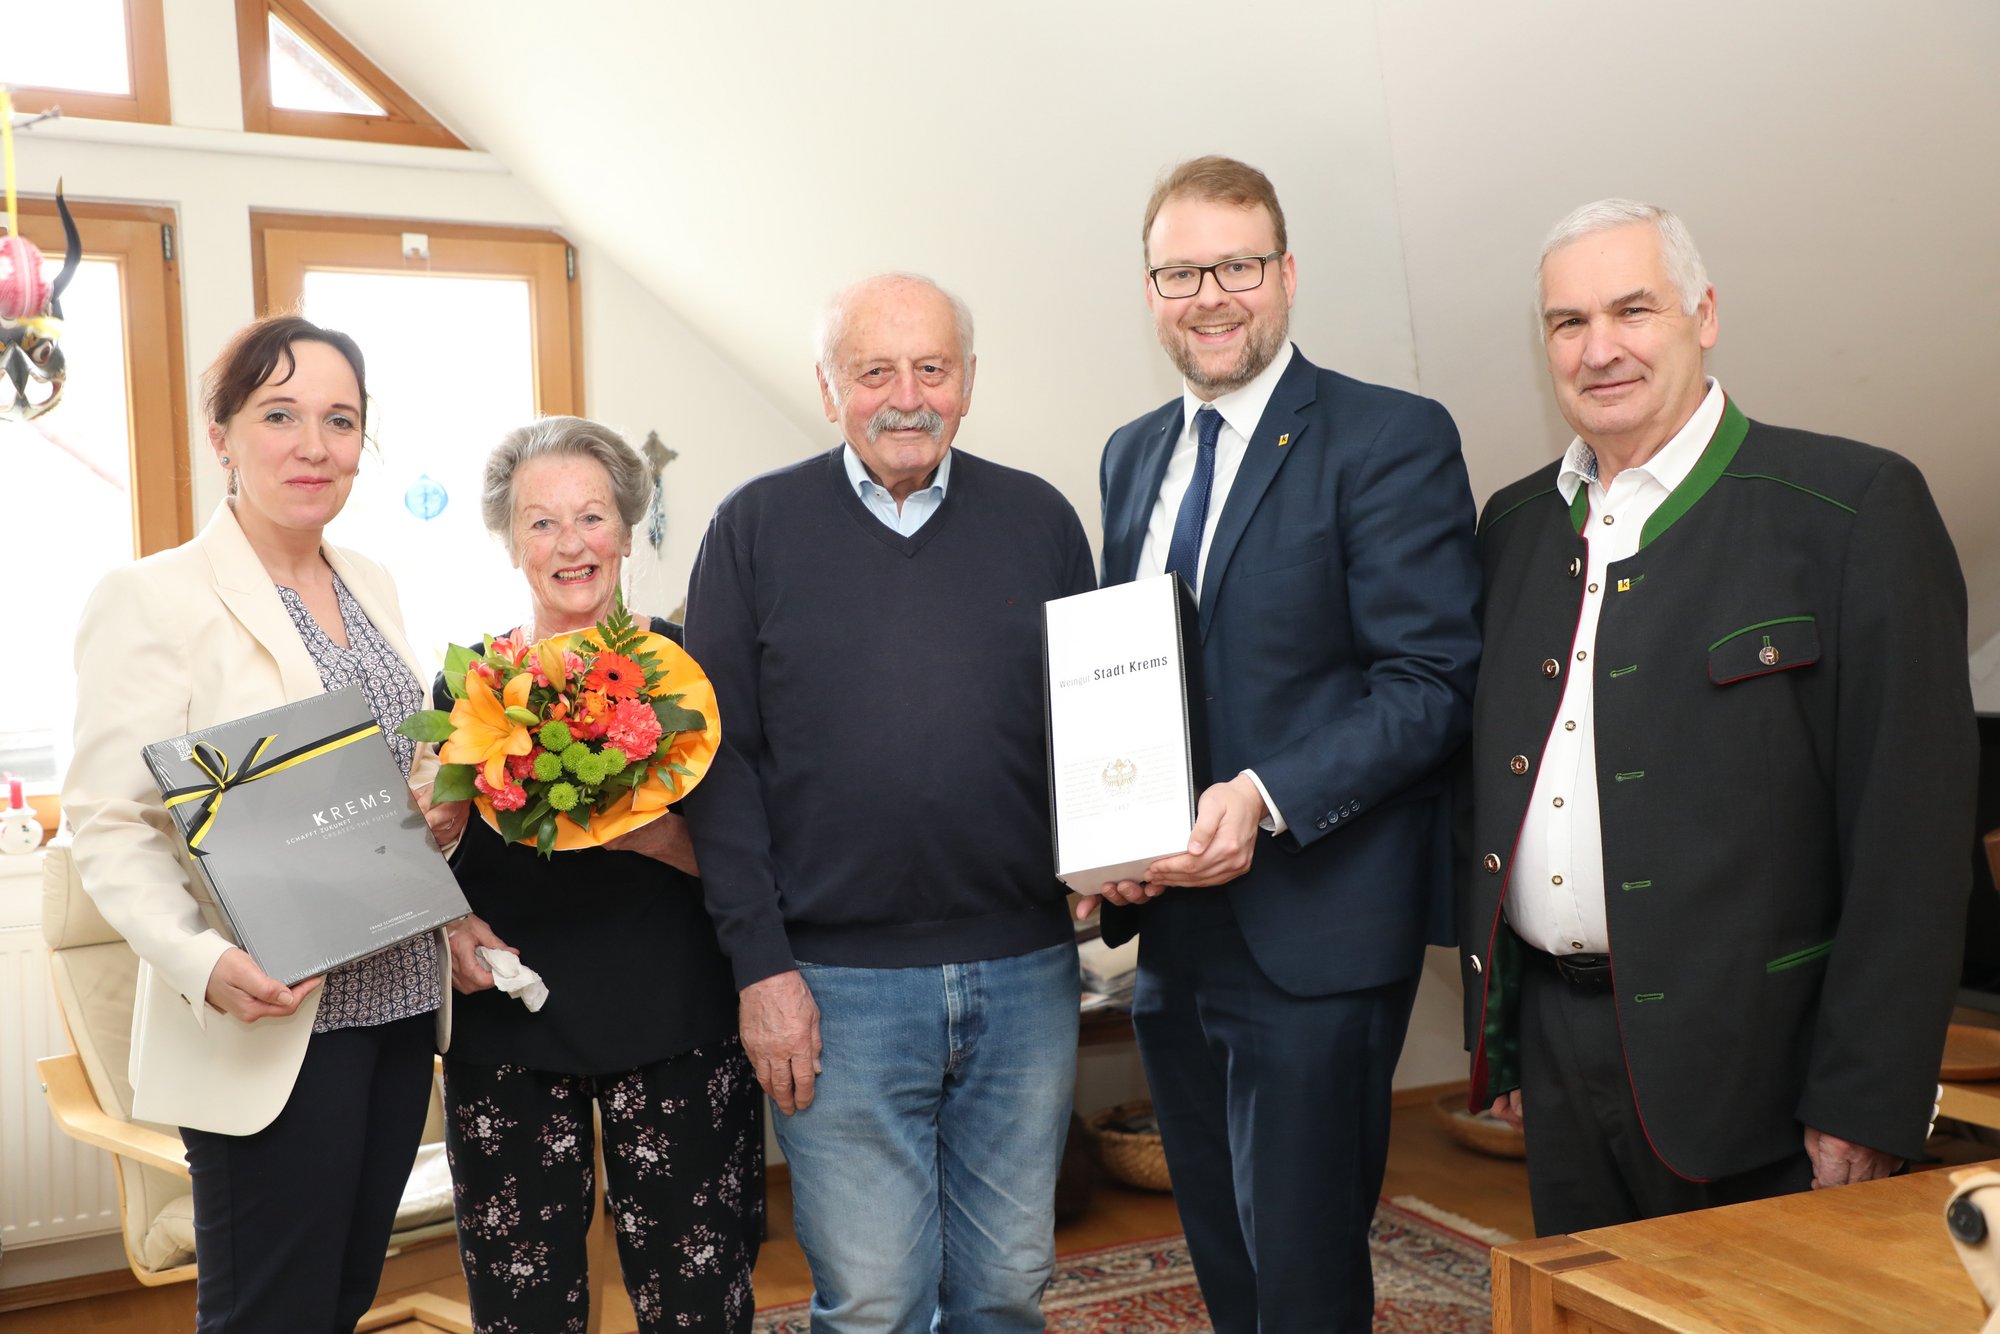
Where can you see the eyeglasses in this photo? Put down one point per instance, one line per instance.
(1177, 281)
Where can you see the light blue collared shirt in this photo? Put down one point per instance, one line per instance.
(916, 510)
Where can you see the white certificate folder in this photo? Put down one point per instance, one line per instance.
(1125, 745)
(306, 833)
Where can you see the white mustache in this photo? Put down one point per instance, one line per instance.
(926, 420)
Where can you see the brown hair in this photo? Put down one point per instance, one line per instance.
(1221, 180)
(257, 352)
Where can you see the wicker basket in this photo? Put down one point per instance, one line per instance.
(1482, 1133)
(1135, 1159)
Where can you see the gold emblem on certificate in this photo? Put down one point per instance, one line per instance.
(1119, 774)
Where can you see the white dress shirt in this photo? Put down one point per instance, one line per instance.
(1241, 410)
(1555, 901)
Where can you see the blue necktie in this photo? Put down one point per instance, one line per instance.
(1184, 552)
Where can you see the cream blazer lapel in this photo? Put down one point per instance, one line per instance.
(245, 588)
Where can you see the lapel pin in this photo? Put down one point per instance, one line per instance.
(1624, 585)
(1284, 440)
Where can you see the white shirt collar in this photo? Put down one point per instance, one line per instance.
(1241, 408)
(1669, 467)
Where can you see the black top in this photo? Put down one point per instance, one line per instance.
(633, 970)
(881, 798)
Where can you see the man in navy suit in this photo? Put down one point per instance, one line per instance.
(1326, 527)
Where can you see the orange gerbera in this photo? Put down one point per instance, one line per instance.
(482, 732)
(616, 676)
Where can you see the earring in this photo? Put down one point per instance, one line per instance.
(225, 460)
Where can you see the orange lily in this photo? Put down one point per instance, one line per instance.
(551, 660)
(482, 732)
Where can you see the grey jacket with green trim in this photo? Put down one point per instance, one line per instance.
(1786, 761)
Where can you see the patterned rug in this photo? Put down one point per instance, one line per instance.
(1431, 1276)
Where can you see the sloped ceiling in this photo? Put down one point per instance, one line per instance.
(1836, 161)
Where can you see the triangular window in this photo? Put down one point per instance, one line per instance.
(304, 79)
(300, 76)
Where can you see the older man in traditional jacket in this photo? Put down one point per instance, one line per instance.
(1724, 765)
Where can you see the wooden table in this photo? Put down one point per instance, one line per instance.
(1974, 1104)
(1856, 1260)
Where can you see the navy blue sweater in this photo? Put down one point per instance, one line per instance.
(881, 795)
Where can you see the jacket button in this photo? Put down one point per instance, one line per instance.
(1550, 668)
(1492, 863)
(1575, 567)
(1320, 823)
(1474, 960)
(1519, 764)
(1767, 655)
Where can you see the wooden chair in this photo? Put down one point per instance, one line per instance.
(95, 974)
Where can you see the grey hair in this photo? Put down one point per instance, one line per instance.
(557, 437)
(834, 316)
(1684, 267)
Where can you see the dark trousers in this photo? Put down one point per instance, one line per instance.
(684, 1185)
(1589, 1161)
(1274, 1109)
(291, 1224)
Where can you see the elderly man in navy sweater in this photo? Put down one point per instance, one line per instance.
(874, 835)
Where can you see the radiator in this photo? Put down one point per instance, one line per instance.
(51, 1187)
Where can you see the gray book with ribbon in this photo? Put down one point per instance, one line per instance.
(307, 834)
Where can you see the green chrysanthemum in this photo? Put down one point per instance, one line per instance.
(590, 770)
(548, 766)
(574, 754)
(562, 796)
(614, 760)
(556, 735)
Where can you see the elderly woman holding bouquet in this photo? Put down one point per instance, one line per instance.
(640, 1012)
(300, 1106)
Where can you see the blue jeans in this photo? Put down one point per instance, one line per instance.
(924, 1172)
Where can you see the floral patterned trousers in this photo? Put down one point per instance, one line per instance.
(684, 1184)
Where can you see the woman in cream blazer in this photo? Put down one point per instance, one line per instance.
(292, 1158)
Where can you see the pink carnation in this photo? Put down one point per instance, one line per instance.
(509, 797)
(520, 766)
(634, 728)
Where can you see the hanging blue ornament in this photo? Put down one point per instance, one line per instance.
(657, 457)
(426, 498)
(656, 528)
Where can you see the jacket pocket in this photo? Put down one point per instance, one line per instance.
(1768, 646)
(1284, 558)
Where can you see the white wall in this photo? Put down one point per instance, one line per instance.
(745, 175)
(1834, 161)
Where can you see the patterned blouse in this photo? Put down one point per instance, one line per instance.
(402, 980)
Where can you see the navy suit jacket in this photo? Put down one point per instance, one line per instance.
(1339, 640)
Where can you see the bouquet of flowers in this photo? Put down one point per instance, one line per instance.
(574, 740)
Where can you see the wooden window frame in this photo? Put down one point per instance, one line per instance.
(284, 245)
(156, 384)
(405, 121)
(146, 67)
